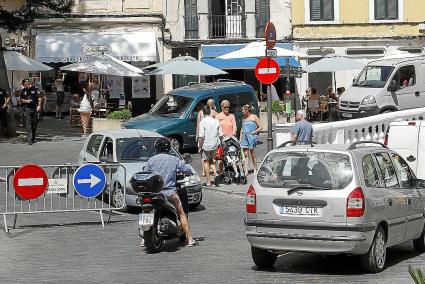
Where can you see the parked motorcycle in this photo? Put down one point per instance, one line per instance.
(159, 220)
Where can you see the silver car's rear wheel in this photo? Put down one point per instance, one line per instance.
(374, 260)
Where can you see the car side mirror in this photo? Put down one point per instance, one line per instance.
(392, 87)
(187, 158)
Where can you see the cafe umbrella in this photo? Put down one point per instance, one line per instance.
(16, 61)
(183, 65)
(333, 64)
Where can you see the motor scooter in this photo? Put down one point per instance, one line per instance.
(158, 220)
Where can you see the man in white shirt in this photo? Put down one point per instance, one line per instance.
(210, 135)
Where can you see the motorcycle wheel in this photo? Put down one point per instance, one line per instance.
(153, 242)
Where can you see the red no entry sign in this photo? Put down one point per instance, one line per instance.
(267, 70)
(30, 181)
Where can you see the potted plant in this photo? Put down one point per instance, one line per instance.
(112, 120)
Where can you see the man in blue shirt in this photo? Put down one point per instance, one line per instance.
(167, 166)
(303, 130)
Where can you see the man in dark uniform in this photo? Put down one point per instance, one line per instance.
(4, 101)
(31, 103)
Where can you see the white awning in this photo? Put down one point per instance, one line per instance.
(71, 47)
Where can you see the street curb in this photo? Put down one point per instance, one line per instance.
(213, 188)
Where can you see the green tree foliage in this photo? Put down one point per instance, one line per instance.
(24, 16)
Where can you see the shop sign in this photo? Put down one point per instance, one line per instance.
(96, 49)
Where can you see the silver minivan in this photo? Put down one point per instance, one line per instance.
(332, 199)
(385, 85)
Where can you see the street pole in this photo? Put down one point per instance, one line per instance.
(269, 119)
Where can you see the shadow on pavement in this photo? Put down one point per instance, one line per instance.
(26, 229)
(305, 263)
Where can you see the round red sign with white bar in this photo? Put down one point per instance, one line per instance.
(30, 181)
(267, 70)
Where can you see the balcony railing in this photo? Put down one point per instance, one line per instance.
(372, 128)
(222, 26)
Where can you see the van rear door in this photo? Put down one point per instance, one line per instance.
(403, 138)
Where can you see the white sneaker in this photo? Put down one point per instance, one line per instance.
(142, 243)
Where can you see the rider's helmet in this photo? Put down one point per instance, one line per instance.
(162, 145)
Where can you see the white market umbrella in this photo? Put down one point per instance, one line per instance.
(183, 65)
(16, 61)
(333, 64)
(105, 65)
(258, 50)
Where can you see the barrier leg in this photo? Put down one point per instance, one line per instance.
(109, 216)
(14, 221)
(6, 229)
(101, 218)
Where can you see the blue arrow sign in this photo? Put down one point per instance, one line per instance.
(89, 180)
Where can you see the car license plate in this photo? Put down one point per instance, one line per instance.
(146, 219)
(299, 211)
(345, 114)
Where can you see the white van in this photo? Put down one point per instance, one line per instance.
(407, 138)
(385, 85)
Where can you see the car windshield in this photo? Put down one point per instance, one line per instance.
(373, 76)
(321, 170)
(137, 149)
(172, 106)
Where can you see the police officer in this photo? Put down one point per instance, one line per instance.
(31, 103)
(4, 102)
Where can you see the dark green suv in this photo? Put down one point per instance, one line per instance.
(174, 115)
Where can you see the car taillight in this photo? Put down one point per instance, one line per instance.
(147, 199)
(251, 200)
(356, 203)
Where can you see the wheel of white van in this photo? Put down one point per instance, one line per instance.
(175, 142)
(117, 198)
(374, 260)
(419, 243)
(263, 258)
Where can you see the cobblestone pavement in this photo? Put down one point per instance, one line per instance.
(73, 248)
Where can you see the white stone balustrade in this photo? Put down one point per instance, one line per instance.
(371, 128)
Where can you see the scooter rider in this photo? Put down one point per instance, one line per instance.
(167, 166)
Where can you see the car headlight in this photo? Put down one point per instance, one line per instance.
(369, 100)
(193, 179)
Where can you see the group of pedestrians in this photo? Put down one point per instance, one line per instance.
(213, 126)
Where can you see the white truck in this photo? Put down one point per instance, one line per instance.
(408, 139)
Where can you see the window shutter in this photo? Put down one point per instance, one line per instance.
(262, 15)
(191, 18)
(392, 10)
(322, 10)
(328, 10)
(386, 9)
(315, 10)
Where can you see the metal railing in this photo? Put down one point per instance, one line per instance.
(222, 26)
(371, 128)
(65, 200)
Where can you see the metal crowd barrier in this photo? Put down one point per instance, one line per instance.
(60, 199)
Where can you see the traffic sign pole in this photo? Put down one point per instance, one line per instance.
(269, 119)
(270, 37)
